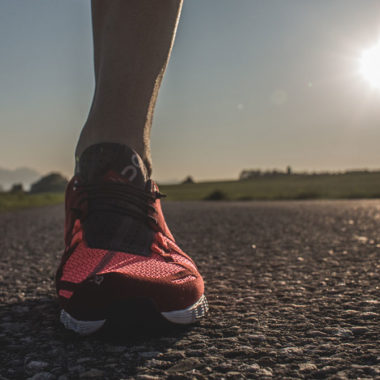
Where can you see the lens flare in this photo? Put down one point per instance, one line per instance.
(370, 65)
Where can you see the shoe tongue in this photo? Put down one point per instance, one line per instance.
(111, 162)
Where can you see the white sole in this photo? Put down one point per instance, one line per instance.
(78, 326)
(183, 317)
(189, 315)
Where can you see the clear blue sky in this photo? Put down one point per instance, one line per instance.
(251, 84)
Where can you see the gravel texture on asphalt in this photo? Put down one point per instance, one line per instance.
(293, 289)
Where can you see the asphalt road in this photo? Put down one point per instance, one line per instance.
(293, 287)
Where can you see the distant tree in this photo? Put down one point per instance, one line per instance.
(289, 170)
(188, 179)
(249, 174)
(17, 188)
(51, 183)
(243, 175)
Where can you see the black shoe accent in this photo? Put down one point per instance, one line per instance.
(98, 159)
(118, 213)
(105, 230)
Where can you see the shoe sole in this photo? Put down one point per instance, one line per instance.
(183, 317)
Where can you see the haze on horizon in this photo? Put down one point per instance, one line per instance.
(251, 84)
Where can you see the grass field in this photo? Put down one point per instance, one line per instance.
(23, 200)
(342, 186)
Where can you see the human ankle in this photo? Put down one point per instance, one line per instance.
(98, 160)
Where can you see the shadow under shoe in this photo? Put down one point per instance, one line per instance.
(93, 308)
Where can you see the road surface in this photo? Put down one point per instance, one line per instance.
(293, 287)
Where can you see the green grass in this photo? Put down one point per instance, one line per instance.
(341, 186)
(23, 200)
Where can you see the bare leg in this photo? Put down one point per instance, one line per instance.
(132, 44)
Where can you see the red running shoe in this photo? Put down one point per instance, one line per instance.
(118, 246)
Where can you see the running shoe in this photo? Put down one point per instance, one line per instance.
(118, 246)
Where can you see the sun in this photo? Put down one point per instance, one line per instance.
(370, 65)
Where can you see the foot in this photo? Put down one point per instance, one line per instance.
(118, 246)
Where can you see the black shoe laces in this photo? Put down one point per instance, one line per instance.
(121, 198)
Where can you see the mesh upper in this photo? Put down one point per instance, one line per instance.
(183, 260)
(84, 260)
(81, 263)
(137, 266)
(65, 293)
(184, 279)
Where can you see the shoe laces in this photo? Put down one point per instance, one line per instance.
(121, 198)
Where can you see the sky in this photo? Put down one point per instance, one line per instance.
(250, 84)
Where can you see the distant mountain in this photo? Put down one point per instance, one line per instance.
(26, 176)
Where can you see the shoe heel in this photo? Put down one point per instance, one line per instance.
(80, 327)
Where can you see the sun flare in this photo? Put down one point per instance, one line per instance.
(370, 65)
